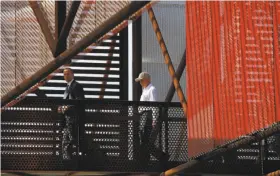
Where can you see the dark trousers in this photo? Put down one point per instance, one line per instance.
(69, 138)
(148, 131)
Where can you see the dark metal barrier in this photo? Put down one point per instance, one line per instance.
(32, 134)
(119, 136)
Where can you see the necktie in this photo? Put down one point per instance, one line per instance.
(66, 93)
(67, 89)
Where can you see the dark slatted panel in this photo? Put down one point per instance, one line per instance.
(98, 71)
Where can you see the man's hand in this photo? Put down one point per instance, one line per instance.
(59, 109)
(62, 109)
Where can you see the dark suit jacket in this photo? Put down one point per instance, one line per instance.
(76, 91)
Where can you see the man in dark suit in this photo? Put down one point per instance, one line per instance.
(73, 90)
(73, 115)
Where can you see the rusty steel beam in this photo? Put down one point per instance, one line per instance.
(43, 24)
(67, 26)
(239, 143)
(168, 61)
(64, 57)
(178, 73)
(276, 173)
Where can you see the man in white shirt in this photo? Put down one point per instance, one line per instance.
(148, 121)
(149, 91)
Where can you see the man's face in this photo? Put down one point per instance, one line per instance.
(68, 75)
(144, 82)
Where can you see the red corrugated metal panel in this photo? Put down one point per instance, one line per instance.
(232, 69)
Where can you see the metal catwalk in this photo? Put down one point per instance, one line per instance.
(31, 140)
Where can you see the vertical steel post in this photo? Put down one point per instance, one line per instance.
(137, 56)
(65, 29)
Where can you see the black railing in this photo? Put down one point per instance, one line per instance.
(119, 135)
(32, 132)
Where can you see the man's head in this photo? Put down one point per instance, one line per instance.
(144, 78)
(68, 74)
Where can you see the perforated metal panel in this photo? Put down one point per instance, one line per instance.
(32, 131)
(48, 9)
(31, 139)
(23, 46)
(90, 15)
(232, 58)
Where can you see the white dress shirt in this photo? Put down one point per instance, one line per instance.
(69, 83)
(149, 93)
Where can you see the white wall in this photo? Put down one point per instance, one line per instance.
(171, 19)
